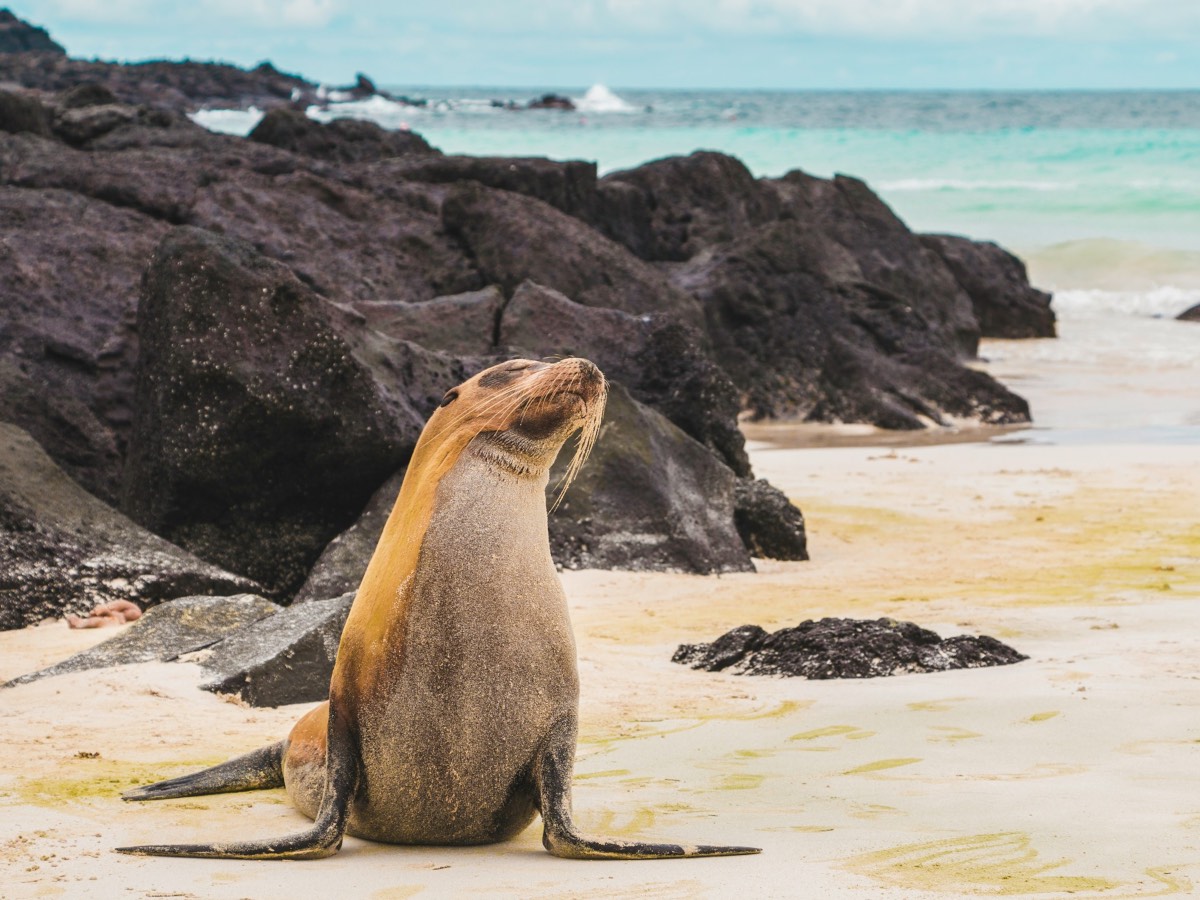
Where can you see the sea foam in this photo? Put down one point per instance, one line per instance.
(377, 108)
(228, 121)
(599, 99)
(1161, 302)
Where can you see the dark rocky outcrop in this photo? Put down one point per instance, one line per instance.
(286, 658)
(769, 525)
(512, 238)
(1190, 315)
(341, 141)
(86, 94)
(865, 246)
(819, 302)
(552, 101)
(262, 429)
(64, 551)
(165, 633)
(650, 498)
(803, 342)
(82, 445)
(569, 185)
(685, 204)
(341, 565)
(72, 265)
(247, 646)
(87, 123)
(465, 324)
(183, 85)
(843, 648)
(1005, 304)
(23, 113)
(17, 36)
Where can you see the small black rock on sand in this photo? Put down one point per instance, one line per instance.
(844, 648)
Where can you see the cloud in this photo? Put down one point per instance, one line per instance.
(294, 13)
(871, 19)
(287, 13)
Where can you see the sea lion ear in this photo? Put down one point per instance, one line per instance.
(451, 396)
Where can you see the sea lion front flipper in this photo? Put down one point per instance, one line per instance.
(552, 774)
(324, 838)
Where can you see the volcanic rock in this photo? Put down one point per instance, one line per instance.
(843, 648)
(867, 247)
(261, 428)
(64, 551)
(1005, 304)
(183, 85)
(512, 238)
(462, 323)
(342, 140)
(20, 112)
(86, 123)
(86, 94)
(341, 565)
(805, 334)
(770, 526)
(82, 445)
(569, 186)
(688, 203)
(72, 266)
(285, 658)
(551, 101)
(165, 633)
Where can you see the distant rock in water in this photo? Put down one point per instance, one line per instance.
(552, 101)
(1190, 315)
(844, 648)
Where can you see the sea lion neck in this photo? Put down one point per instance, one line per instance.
(514, 455)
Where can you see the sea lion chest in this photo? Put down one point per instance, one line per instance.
(485, 665)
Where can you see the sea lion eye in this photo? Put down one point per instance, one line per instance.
(450, 397)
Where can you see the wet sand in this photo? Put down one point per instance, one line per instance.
(1076, 773)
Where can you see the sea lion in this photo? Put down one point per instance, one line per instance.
(453, 705)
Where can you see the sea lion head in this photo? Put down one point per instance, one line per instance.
(518, 414)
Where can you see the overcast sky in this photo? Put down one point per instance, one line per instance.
(785, 44)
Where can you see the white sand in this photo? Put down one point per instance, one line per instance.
(1076, 773)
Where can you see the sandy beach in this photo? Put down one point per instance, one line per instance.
(1071, 774)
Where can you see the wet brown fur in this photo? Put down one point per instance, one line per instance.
(550, 401)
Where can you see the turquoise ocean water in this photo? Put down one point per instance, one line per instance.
(1099, 192)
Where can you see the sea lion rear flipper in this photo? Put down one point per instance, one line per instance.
(324, 838)
(258, 770)
(552, 773)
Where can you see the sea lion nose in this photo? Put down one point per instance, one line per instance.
(587, 369)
